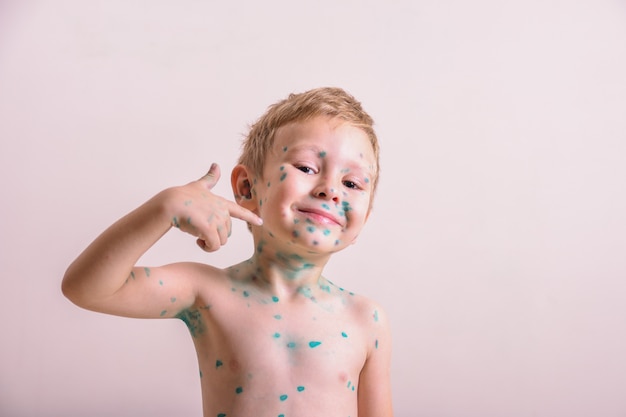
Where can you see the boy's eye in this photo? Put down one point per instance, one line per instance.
(350, 184)
(306, 170)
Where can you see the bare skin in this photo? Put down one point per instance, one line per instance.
(273, 336)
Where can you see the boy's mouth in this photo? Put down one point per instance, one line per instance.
(320, 216)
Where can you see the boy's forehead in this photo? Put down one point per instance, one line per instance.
(309, 135)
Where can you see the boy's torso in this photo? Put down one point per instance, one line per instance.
(260, 355)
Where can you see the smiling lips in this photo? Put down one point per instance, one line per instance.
(320, 216)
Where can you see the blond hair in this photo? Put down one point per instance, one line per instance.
(325, 101)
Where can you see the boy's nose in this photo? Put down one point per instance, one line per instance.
(326, 192)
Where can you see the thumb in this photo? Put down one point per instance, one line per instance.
(213, 175)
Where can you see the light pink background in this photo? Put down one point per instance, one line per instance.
(498, 240)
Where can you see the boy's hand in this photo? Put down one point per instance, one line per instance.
(199, 212)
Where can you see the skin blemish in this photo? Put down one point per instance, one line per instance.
(175, 222)
(325, 206)
(336, 242)
(314, 344)
(193, 320)
(300, 388)
(283, 397)
(173, 299)
(189, 221)
(132, 274)
(282, 177)
(326, 232)
(221, 415)
(296, 221)
(310, 229)
(275, 299)
(291, 345)
(218, 363)
(376, 344)
(276, 335)
(147, 271)
(164, 312)
(246, 294)
(285, 149)
(238, 390)
(367, 180)
(344, 334)
(268, 185)
(278, 317)
(375, 316)
(187, 202)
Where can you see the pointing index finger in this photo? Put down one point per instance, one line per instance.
(244, 214)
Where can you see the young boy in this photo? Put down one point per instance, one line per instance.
(274, 337)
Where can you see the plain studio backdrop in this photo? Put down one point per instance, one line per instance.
(498, 238)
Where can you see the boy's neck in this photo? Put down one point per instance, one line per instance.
(287, 273)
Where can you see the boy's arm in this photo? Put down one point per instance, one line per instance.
(374, 394)
(103, 278)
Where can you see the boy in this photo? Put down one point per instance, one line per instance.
(274, 338)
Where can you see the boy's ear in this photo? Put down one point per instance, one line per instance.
(241, 181)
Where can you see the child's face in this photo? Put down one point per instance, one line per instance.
(316, 186)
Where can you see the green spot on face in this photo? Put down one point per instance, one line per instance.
(218, 363)
(291, 345)
(326, 232)
(367, 180)
(147, 271)
(322, 154)
(276, 335)
(376, 344)
(132, 274)
(175, 222)
(283, 397)
(160, 282)
(275, 299)
(239, 390)
(310, 229)
(285, 149)
(282, 177)
(344, 334)
(246, 294)
(325, 206)
(221, 415)
(300, 388)
(314, 344)
(278, 317)
(200, 374)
